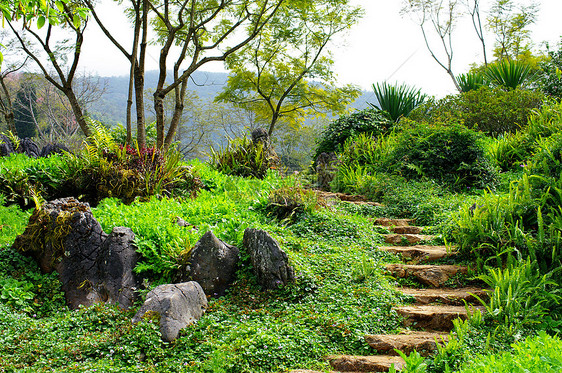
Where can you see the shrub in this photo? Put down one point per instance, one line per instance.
(243, 157)
(107, 169)
(369, 121)
(397, 100)
(493, 111)
(450, 153)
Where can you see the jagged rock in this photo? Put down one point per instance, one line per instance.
(260, 135)
(213, 264)
(326, 169)
(6, 147)
(51, 149)
(271, 264)
(29, 148)
(178, 305)
(64, 236)
(117, 257)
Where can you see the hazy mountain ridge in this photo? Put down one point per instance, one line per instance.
(111, 108)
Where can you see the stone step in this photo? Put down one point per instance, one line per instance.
(385, 222)
(432, 317)
(420, 253)
(379, 363)
(423, 342)
(398, 239)
(431, 275)
(407, 230)
(446, 296)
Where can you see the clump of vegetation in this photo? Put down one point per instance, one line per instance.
(244, 157)
(368, 121)
(397, 100)
(449, 153)
(493, 111)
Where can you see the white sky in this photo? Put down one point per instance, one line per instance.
(383, 46)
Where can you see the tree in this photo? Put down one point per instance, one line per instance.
(473, 7)
(285, 73)
(25, 111)
(47, 50)
(437, 17)
(509, 21)
(190, 34)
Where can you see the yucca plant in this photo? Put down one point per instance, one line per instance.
(397, 100)
(471, 81)
(509, 74)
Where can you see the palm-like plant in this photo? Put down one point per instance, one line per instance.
(509, 73)
(471, 81)
(397, 100)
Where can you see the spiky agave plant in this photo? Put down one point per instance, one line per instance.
(397, 100)
(510, 74)
(471, 81)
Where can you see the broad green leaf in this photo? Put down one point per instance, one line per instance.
(59, 5)
(40, 22)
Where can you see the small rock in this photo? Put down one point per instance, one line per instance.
(271, 263)
(179, 305)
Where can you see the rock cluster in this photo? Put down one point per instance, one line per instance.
(64, 236)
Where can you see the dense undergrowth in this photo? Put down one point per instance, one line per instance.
(492, 191)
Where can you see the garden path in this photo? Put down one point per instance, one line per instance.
(427, 321)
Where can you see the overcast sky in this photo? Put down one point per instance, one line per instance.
(383, 46)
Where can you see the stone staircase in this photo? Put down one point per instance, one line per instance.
(434, 309)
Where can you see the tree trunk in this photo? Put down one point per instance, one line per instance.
(139, 100)
(77, 111)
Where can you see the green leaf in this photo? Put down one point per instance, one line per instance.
(40, 22)
(59, 5)
(76, 21)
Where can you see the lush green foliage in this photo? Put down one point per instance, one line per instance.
(492, 111)
(397, 100)
(339, 295)
(509, 73)
(550, 76)
(471, 81)
(243, 157)
(368, 121)
(449, 153)
(520, 294)
(534, 355)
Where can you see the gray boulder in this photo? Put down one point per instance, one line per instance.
(29, 148)
(213, 264)
(178, 305)
(117, 257)
(271, 264)
(64, 236)
(6, 146)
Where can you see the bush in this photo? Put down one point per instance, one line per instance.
(369, 121)
(493, 111)
(450, 153)
(243, 157)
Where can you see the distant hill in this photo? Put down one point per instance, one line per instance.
(111, 108)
